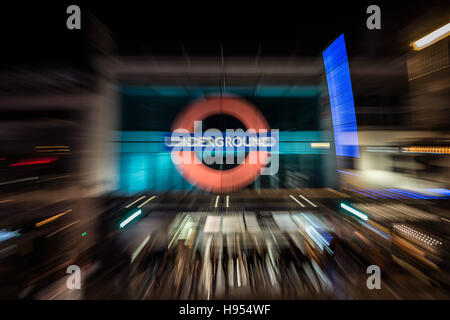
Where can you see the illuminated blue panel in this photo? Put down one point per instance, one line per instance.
(341, 99)
(146, 164)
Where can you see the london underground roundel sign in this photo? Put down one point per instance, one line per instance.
(256, 141)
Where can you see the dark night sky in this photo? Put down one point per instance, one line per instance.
(36, 33)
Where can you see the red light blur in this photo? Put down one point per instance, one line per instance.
(28, 162)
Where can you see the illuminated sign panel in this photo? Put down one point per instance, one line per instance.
(341, 98)
(146, 138)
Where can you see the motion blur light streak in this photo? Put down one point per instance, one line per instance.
(39, 224)
(129, 205)
(350, 173)
(440, 191)
(418, 235)
(293, 198)
(362, 193)
(376, 230)
(29, 162)
(145, 202)
(130, 218)
(315, 235)
(139, 249)
(308, 201)
(407, 194)
(6, 234)
(19, 180)
(432, 37)
(56, 151)
(217, 201)
(394, 195)
(337, 193)
(49, 147)
(70, 224)
(432, 150)
(382, 149)
(377, 193)
(354, 211)
(320, 145)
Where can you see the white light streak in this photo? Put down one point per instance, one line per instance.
(354, 211)
(307, 201)
(297, 201)
(135, 201)
(143, 204)
(432, 37)
(130, 218)
(217, 201)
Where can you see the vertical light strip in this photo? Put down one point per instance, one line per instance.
(341, 98)
(217, 201)
(228, 201)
